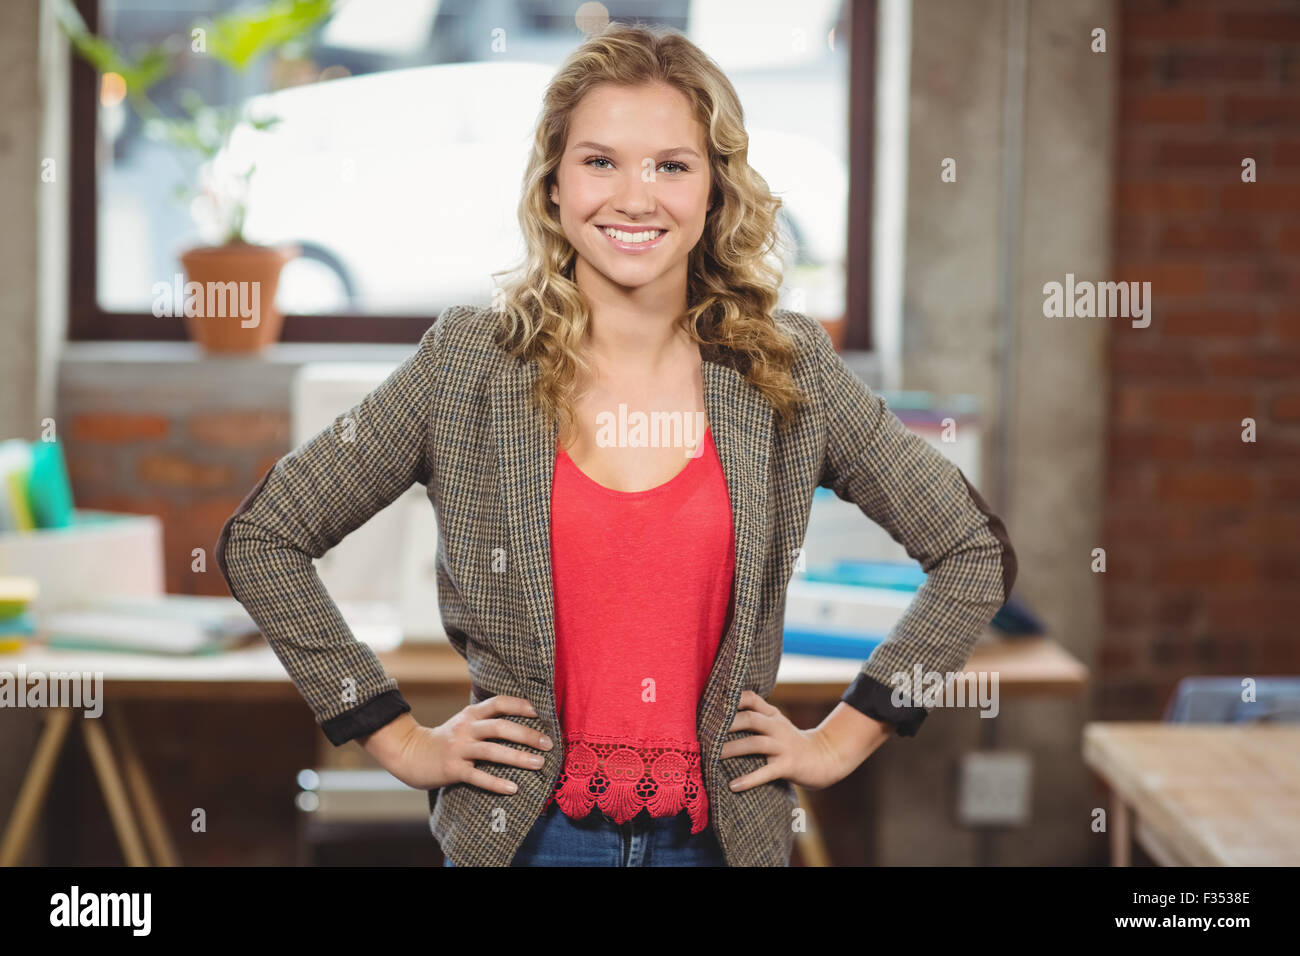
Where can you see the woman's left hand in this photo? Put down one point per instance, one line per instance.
(805, 757)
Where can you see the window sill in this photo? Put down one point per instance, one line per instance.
(154, 373)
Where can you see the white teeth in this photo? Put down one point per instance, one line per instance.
(632, 236)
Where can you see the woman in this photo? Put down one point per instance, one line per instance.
(616, 589)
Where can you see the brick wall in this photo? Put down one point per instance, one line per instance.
(1203, 530)
(190, 467)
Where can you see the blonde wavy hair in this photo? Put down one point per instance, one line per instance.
(732, 290)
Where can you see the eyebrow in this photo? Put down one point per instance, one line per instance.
(602, 148)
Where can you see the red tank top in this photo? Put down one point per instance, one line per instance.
(642, 591)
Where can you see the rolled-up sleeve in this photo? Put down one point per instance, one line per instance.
(302, 507)
(926, 504)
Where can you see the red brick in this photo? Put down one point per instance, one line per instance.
(1172, 23)
(1288, 239)
(1286, 152)
(1242, 110)
(1286, 407)
(1214, 153)
(1164, 108)
(202, 523)
(1270, 27)
(1135, 68)
(179, 472)
(1113, 657)
(1131, 238)
(1210, 237)
(1163, 197)
(1257, 365)
(1216, 569)
(212, 512)
(1181, 66)
(1260, 197)
(1171, 651)
(1284, 487)
(1131, 405)
(160, 508)
(1133, 154)
(89, 473)
(1270, 449)
(1162, 445)
(1166, 278)
(262, 467)
(1280, 654)
(118, 427)
(1127, 480)
(1274, 527)
(1211, 323)
(243, 429)
(1250, 277)
(1151, 363)
(1199, 404)
(1286, 324)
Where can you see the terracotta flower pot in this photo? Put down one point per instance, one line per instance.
(236, 295)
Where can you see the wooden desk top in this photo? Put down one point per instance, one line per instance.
(1026, 666)
(1218, 794)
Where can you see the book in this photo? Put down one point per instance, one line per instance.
(180, 624)
(16, 594)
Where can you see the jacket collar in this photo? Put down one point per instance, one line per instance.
(741, 419)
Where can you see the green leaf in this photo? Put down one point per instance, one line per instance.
(240, 37)
(185, 134)
(138, 74)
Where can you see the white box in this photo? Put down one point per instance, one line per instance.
(102, 554)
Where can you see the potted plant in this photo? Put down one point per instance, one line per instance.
(229, 297)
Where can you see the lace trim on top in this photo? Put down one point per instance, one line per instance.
(620, 780)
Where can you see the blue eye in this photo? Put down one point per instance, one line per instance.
(680, 167)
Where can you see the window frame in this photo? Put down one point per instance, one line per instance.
(89, 321)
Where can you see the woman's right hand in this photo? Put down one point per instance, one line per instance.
(427, 758)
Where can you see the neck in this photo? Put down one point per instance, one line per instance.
(634, 330)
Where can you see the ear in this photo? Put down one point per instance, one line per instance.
(553, 194)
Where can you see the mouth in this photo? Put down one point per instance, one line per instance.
(640, 240)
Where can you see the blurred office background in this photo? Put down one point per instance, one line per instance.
(1102, 139)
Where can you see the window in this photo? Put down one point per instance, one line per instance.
(403, 130)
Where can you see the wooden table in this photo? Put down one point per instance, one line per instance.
(1026, 666)
(1200, 794)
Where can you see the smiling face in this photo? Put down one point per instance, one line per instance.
(632, 188)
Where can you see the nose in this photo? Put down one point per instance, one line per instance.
(635, 196)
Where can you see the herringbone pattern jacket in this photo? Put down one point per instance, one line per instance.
(456, 417)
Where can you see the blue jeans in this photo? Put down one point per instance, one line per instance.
(595, 840)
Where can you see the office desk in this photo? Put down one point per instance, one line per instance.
(1200, 794)
(1027, 666)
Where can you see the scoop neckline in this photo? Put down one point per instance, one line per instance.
(618, 493)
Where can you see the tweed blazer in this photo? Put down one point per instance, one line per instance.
(456, 417)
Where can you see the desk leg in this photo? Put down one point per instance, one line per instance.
(35, 785)
(110, 782)
(811, 846)
(1121, 841)
(137, 781)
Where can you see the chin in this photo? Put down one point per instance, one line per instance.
(629, 278)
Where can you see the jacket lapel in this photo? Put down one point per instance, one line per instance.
(741, 419)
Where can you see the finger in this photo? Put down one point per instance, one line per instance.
(753, 720)
(498, 728)
(504, 704)
(742, 721)
(486, 781)
(500, 753)
(752, 700)
(764, 774)
(757, 744)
